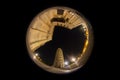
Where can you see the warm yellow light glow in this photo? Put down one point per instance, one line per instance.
(73, 59)
(34, 57)
(36, 54)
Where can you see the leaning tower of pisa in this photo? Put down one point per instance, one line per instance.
(59, 59)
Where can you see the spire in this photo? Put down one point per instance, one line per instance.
(59, 59)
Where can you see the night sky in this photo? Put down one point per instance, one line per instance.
(70, 41)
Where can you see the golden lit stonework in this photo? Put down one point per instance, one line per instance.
(59, 40)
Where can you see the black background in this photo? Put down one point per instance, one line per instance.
(19, 14)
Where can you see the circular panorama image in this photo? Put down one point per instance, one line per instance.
(59, 40)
